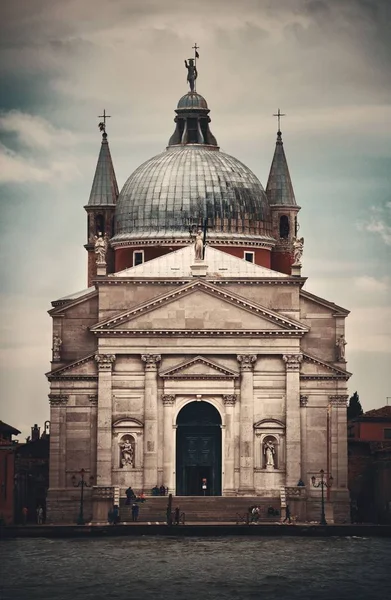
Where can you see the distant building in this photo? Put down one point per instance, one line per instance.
(8, 447)
(369, 455)
(32, 473)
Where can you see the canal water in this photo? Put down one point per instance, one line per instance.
(228, 568)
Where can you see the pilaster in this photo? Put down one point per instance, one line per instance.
(246, 474)
(229, 459)
(303, 430)
(168, 401)
(150, 420)
(57, 465)
(104, 419)
(293, 425)
(339, 450)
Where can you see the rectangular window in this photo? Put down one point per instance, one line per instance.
(249, 257)
(138, 257)
(387, 434)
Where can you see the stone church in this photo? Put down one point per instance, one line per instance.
(195, 359)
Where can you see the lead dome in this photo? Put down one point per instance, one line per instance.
(190, 181)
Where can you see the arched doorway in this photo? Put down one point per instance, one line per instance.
(198, 450)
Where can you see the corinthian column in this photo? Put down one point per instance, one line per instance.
(150, 420)
(168, 403)
(293, 436)
(246, 474)
(229, 451)
(104, 419)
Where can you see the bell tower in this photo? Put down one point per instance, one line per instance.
(101, 205)
(284, 209)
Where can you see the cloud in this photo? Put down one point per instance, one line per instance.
(43, 153)
(379, 222)
(369, 329)
(368, 283)
(34, 131)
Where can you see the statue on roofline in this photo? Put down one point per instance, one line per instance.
(100, 247)
(341, 343)
(298, 245)
(198, 245)
(191, 73)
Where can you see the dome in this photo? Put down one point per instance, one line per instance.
(184, 184)
(192, 100)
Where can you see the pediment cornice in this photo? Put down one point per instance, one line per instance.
(287, 326)
(65, 372)
(331, 371)
(179, 371)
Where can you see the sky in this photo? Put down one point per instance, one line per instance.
(326, 64)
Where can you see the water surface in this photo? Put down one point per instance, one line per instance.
(231, 568)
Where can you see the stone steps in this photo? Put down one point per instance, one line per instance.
(201, 509)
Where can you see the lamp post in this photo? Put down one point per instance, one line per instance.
(82, 483)
(322, 484)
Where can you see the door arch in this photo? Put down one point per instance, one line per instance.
(198, 450)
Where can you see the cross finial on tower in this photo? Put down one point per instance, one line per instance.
(102, 124)
(279, 114)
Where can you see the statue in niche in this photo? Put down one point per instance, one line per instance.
(341, 343)
(198, 245)
(57, 343)
(269, 452)
(100, 247)
(191, 73)
(127, 454)
(298, 244)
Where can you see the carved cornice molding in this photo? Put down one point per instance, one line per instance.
(246, 361)
(292, 361)
(303, 400)
(339, 400)
(168, 399)
(105, 361)
(265, 333)
(58, 399)
(151, 361)
(110, 280)
(229, 399)
(93, 398)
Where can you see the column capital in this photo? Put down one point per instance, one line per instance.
(303, 400)
(339, 400)
(58, 399)
(246, 361)
(229, 399)
(105, 361)
(151, 361)
(168, 399)
(292, 361)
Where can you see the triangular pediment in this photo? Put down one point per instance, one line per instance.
(198, 368)
(315, 368)
(79, 369)
(199, 306)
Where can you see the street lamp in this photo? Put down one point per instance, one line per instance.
(82, 483)
(322, 484)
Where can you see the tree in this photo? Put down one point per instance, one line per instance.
(354, 407)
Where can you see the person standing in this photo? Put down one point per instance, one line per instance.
(25, 513)
(135, 511)
(39, 515)
(287, 514)
(177, 514)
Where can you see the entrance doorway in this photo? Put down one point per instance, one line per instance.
(198, 450)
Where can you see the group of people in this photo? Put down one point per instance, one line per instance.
(159, 491)
(174, 518)
(131, 496)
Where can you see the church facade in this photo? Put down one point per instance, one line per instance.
(195, 359)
